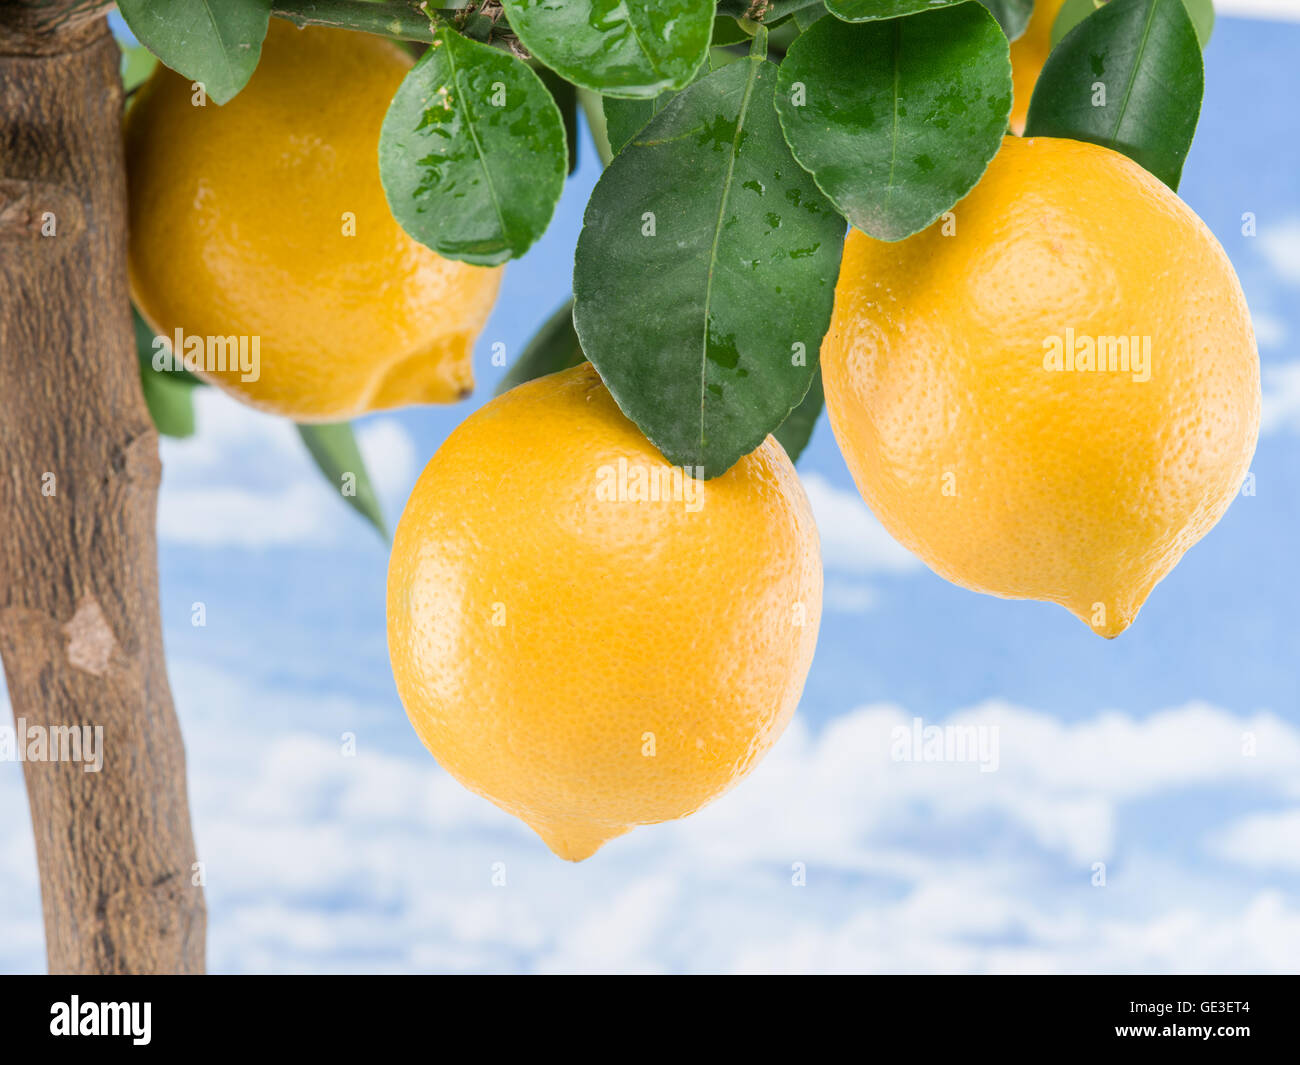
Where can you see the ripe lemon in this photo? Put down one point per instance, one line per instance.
(265, 218)
(583, 635)
(1029, 52)
(956, 380)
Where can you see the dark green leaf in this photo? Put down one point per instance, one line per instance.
(566, 99)
(1129, 77)
(805, 18)
(727, 31)
(897, 120)
(167, 393)
(334, 448)
(1075, 11)
(1012, 15)
(705, 271)
(554, 348)
(795, 432)
(613, 47)
(154, 358)
(871, 10)
(472, 152)
(218, 44)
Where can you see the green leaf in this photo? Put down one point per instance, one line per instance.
(766, 11)
(566, 99)
(1075, 11)
(218, 44)
(146, 348)
(1129, 77)
(615, 47)
(167, 393)
(334, 449)
(872, 10)
(1012, 15)
(897, 120)
(805, 18)
(727, 31)
(553, 348)
(705, 271)
(472, 152)
(137, 64)
(795, 432)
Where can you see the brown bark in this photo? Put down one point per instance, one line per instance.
(80, 633)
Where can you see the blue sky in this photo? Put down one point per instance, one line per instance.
(1124, 752)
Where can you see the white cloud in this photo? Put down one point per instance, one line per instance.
(319, 861)
(1262, 841)
(1281, 247)
(1280, 409)
(852, 539)
(1268, 9)
(1270, 331)
(245, 479)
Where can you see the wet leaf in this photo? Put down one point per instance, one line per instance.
(333, 447)
(897, 120)
(614, 47)
(705, 227)
(218, 44)
(472, 153)
(1129, 77)
(554, 348)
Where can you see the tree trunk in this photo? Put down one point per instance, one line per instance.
(80, 633)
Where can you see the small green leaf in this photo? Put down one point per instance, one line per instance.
(1075, 11)
(727, 31)
(813, 13)
(334, 449)
(1012, 15)
(137, 64)
(553, 348)
(167, 393)
(146, 347)
(795, 432)
(897, 120)
(472, 152)
(614, 47)
(873, 10)
(705, 227)
(1129, 77)
(217, 44)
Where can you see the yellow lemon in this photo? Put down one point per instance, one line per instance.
(1029, 52)
(586, 636)
(264, 221)
(1057, 394)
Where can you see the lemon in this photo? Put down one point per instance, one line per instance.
(265, 218)
(1029, 52)
(586, 636)
(1057, 394)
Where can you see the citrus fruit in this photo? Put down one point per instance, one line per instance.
(265, 218)
(1028, 54)
(1056, 398)
(583, 634)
